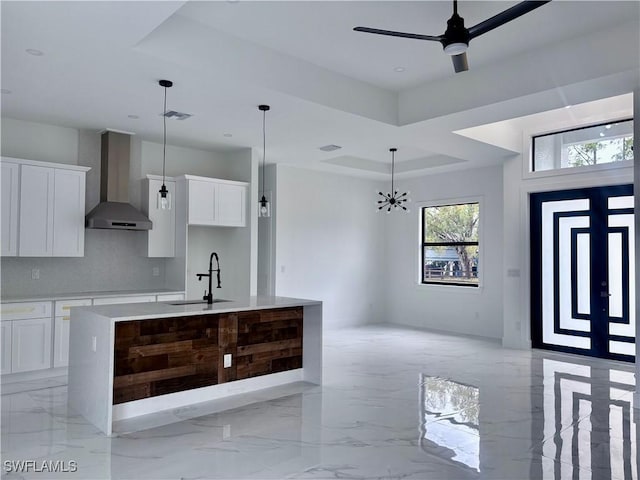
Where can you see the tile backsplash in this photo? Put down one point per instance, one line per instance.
(113, 261)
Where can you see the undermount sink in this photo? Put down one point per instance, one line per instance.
(198, 302)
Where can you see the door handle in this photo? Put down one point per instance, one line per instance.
(604, 294)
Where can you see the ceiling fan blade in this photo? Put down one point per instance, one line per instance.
(390, 33)
(504, 17)
(460, 63)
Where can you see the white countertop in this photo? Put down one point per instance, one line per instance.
(142, 311)
(67, 296)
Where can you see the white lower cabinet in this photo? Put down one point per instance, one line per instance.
(6, 347)
(30, 344)
(36, 337)
(61, 329)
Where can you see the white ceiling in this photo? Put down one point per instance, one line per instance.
(326, 84)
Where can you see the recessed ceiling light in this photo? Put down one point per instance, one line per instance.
(5, 91)
(399, 69)
(34, 52)
(602, 134)
(133, 117)
(567, 106)
(228, 135)
(608, 127)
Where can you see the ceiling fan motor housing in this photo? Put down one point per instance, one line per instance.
(455, 33)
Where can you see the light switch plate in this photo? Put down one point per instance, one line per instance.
(227, 360)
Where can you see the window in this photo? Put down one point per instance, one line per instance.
(450, 244)
(594, 145)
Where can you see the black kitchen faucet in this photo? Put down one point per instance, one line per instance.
(209, 297)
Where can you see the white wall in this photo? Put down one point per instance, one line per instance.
(329, 244)
(468, 310)
(38, 141)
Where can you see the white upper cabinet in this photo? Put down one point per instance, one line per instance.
(231, 204)
(36, 211)
(161, 239)
(202, 202)
(68, 213)
(9, 201)
(43, 208)
(216, 202)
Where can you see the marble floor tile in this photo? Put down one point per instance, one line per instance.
(395, 404)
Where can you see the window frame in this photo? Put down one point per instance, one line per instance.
(421, 263)
(532, 172)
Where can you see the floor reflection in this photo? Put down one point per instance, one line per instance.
(589, 428)
(449, 420)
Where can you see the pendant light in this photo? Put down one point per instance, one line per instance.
(392, 200)
(264, 206)
(164, 198)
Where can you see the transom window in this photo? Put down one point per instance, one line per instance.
(598, 144)
(450, 244)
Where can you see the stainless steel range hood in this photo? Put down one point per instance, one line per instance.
(114, 210)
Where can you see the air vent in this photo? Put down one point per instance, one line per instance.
(330, 148)
(177, 115)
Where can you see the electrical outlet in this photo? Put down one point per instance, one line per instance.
(94, 343)
(227, 360)
(35, 274)
(155, 271)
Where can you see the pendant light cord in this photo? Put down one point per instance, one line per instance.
(164, 134)
(393, 162)
(264, 149)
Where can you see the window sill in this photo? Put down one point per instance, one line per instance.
(451, 288)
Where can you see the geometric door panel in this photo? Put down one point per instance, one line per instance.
(582, 271)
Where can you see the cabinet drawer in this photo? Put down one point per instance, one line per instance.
(132, 299)
(63, 306)
(22, 310)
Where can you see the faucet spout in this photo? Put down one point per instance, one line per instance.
(209, 297)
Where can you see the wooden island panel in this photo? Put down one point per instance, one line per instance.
(159, 356)
(269, 341)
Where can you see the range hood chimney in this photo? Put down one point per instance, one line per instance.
(114, 210)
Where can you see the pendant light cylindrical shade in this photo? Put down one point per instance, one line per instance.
(164, 197)
(264, 206)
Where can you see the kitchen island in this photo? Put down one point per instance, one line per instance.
(129, 360)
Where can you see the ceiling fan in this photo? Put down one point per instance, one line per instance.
(456, 37)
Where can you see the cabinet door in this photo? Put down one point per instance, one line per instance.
(6, 347)
(231, 205)
(68, 213)
(162, 237)
(30, 344)
(61, 341)
(9, 241)
(201, 203)
(36, 211)
(61, 329)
